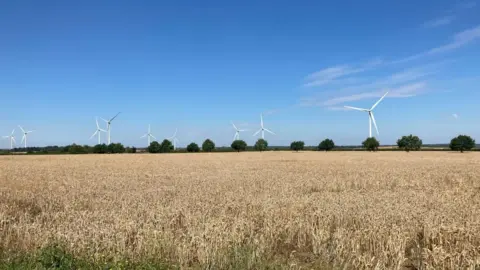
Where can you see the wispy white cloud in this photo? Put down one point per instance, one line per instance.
(459, 40)
(455, 116)
(439, 22)
(327, 75)
(467, 5)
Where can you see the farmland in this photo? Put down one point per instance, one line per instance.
(353, 210)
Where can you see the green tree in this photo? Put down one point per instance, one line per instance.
(166, 146)
(193, 147)
(326, 145)
(116, 148)
(409, 143)
(261, 145)
(76, 149)
(371, 144)
(208, 145)
(100, 149)
(462, 143)
(297, 145)
(131, 150)
(239, 145)
(154, 147)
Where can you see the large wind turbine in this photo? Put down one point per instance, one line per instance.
(109, 122)
(25, 133)
(262, 128)
(174, 139)
(12, 139)
(149, 135)
(370, 114)
(237, 132)
(98, 131)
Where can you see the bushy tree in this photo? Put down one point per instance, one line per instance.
(462, 143)
(116, 148)
(297, 145)
(409, 143)
(371, 144)
(239, 145)
(208, 145)
(154, 147)
(261, 145)
(193, 147)
(76, 149)
(131, 150)
(326, 145)
(166, 146)
(100, 149)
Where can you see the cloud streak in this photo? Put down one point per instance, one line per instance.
(459, 40)
(328, 75)
(439, 22)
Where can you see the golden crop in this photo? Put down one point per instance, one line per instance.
(354, 210)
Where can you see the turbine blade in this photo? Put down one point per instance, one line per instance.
(375, 105)
(374, 123)
(355, 108)
(235, 136)
(269, 131)
(106, 121)
(21, 129)
(257, 132)
(95, 133)
(6, 137)
(13, 131)
(153, 136)
(261, 120)
(235, 127)
(114, 117)
(102, 130)
(23, 138)
(144, 136)
(13, 139)
(96, 120)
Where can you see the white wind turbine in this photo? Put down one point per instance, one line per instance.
(262, 128)
(174, 139)
(149, 135)
(109, 122)
(98, 131)
(370, 114)
(25, 133)
(12, 139)
(237, 132)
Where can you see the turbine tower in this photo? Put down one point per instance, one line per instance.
(174, 139)
(109, 122)
(148, 135)
(25, 133)
(12, 139)
(98, 131)
(263, 129)
(370, 114)
(237, 132)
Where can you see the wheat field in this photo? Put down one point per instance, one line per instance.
(277, 210)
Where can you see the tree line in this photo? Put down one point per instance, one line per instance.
(407, 143)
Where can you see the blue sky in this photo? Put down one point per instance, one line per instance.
(197, 65)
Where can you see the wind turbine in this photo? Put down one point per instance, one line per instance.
(12, 139)
(149, 135)
(237, 132)
(262, 128)
(370, 114)
(174, 139)
(25, 133)
(109, 122)
(98, 131)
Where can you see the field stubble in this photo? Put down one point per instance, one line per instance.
(226, 210)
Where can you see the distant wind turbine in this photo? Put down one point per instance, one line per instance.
(237, 132)
(98, 131)
(25, 133)
(148, 135)
(370, 114)
(263, 129)
(12, 138)
(109, 122)
(174, 139)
